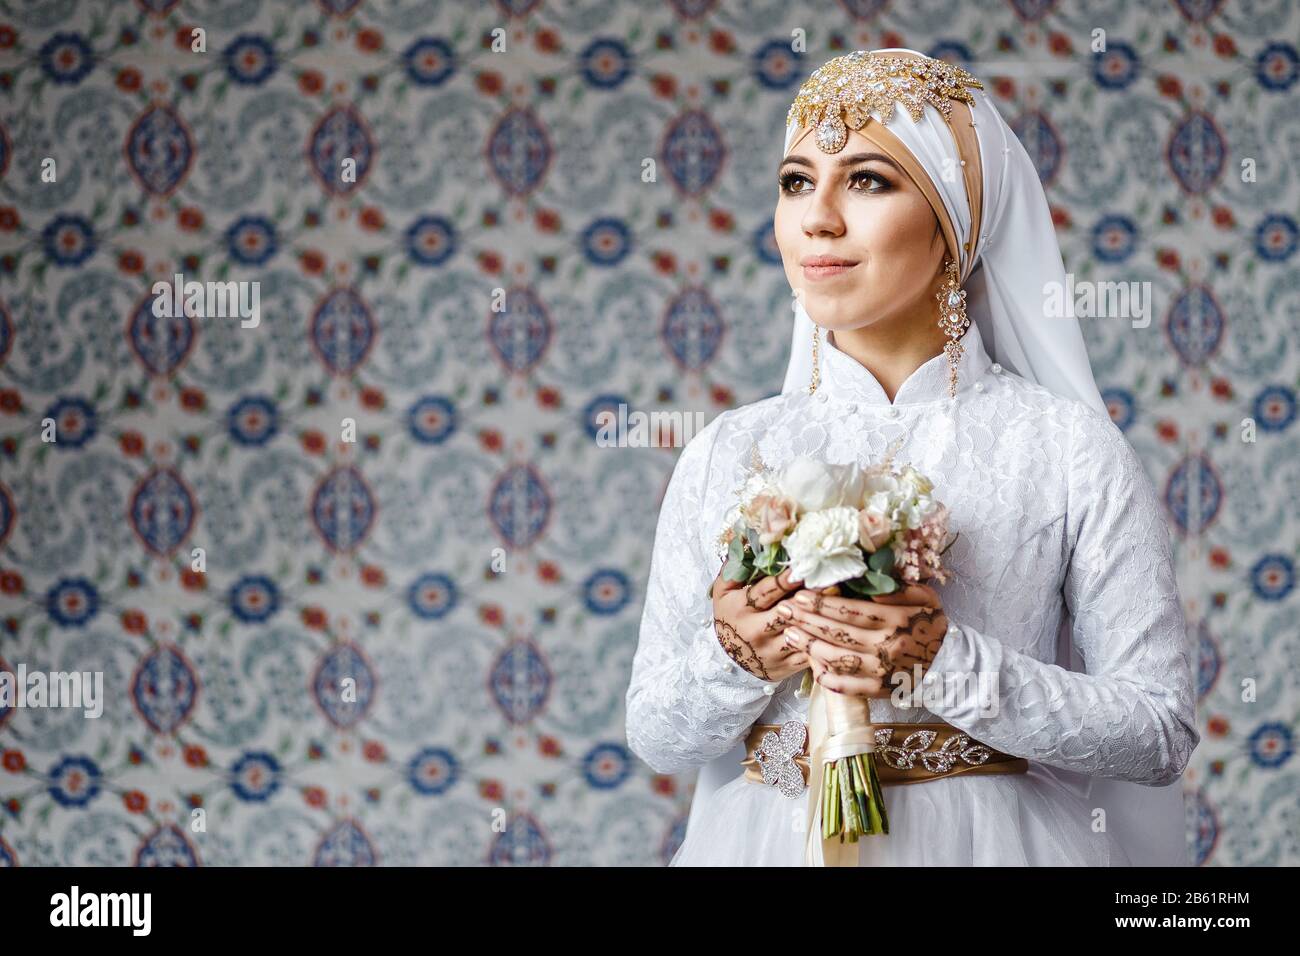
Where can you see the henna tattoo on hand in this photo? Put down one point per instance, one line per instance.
(846, 664)
(739, 649)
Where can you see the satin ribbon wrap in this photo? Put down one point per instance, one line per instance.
(839, 725)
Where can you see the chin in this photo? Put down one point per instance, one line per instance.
(837, 313)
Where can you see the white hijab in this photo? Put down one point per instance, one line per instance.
(1014, 260)
(1016, 256)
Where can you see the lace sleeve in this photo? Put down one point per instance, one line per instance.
(688, 702)
(1132, 715)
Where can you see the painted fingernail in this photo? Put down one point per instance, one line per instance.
(798, 636)
(784, 610)
(804, 598)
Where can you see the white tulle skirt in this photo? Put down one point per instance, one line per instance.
(1028, 819)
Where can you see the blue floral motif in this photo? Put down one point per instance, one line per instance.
(606, 766)
(68, 240)
(433, 771)
(430, 61)
(430, 240)
(605, 63)
(251, 240)
(606, 242)
(1275, 408)
(432, 596)
(75, 422)
(1116, 67)
(1277, 66)
(255, 777)
(67, 58)
(606, 592)
(74, 781)
(1114, 238)
(431, 420)
(253, 420)
(72, 602)
(1276, 238)
(250, 60)
(254, 598)
(1271, 745)
(1272, 577)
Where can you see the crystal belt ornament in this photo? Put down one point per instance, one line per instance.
(956, 747)
(842, 93)
(775, 756)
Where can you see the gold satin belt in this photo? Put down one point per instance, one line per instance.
(906, 752)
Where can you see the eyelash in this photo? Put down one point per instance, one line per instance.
(788, 178)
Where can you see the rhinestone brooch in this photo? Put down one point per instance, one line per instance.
(775, 755)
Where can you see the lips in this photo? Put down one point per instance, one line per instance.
(822, 267)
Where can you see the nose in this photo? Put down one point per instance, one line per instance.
(822, 215)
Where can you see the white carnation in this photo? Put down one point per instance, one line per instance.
(823, 548)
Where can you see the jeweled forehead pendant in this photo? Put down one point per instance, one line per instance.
(842, 93)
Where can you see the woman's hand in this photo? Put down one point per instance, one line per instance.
(749, 629)
(856, 646)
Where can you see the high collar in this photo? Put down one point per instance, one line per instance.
(845, 378)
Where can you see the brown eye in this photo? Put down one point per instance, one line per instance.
(865, 179)
(793, 183)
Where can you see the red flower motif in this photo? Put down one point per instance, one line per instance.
(314, 796)
(134, 622)
(663, 784)
(1059, 44)
(1218, 726)
(489, 262)
(136, 802)
(1223, 217)
(10, 401)
(193, 399)
(8, 37)
(372, 576)
(548, 220)
(1224, 45)
(548, 746)
(1167, 431)
(131, 262)
(721, 220)
(1219, 558)
(663, 85)
(491, 614)
(8, 218)
(313, 617)
(720, 394)
(490, 439)
(14, 761)
(490, 790)
(548, 571)
(313, 263)
(372, 397)
(189, 219)
(369, 40)
(371, 219)
(131, 443)
(193, 580)
(1004, 88)
(720, 42)
(195, 756)
(489, 83)
(1220, 388)
(547, 40)
(548, 397)
(311, 82)
(129, 79)
(313, 442)
(1169, 86)
(665, 262)
(11, 582)
(1168, 259)
(185, 37)
(1060, 218)
(374, 751)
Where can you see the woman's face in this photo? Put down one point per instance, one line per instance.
(856, 235)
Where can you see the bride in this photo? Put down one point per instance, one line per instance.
(919, 245)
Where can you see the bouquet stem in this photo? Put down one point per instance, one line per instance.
(852, 803)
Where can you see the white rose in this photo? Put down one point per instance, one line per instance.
(823, 547)
(816, 486)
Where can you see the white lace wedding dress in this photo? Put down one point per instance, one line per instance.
(1062, 549)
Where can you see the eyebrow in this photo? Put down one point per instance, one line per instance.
(851, 160)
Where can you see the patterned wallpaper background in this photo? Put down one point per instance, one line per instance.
(471, 567)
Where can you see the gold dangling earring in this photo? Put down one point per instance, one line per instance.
(952, 319)
(816, 362)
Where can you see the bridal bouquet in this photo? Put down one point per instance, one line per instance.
(843, 529)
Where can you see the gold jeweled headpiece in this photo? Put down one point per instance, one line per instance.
(841, 93)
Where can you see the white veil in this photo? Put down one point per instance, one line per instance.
(1016, 256)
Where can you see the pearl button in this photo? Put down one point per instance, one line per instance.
(852, 407)
(979, 386)
(892, 412)
(769, 689)
(821, 396)
(997, 369)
